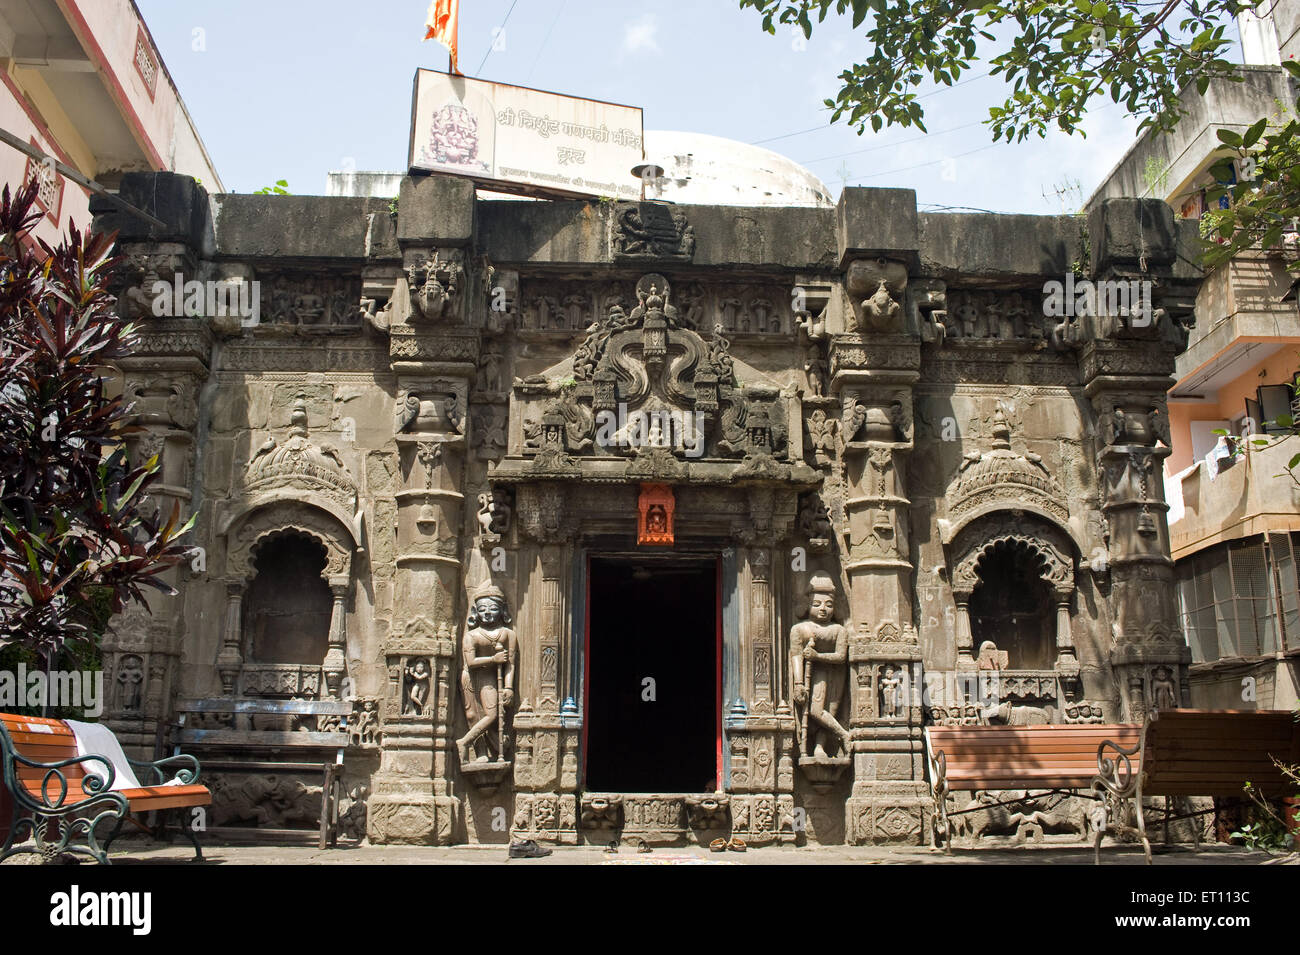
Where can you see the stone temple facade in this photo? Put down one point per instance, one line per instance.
(645, 520)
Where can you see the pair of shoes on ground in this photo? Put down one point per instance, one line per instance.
(528, 849)
(639, 844)
(722, 845)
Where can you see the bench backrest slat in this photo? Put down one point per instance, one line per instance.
(266, 707)
(1215, 752)
(262, 739)
(1056, 756)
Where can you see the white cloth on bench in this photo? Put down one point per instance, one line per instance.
(95, 739)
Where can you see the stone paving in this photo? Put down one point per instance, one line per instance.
(150, 853)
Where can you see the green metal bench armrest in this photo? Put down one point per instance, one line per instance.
(56, 803)
(187, 775)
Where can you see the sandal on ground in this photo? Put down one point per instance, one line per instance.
(718, 845)
(737, 845)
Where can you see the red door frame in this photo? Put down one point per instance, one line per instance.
(717, 675)
(717, 684)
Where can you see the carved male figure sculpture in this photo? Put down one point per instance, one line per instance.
(1163, 689)
(130, 676)
(890, 684)
(818, 658)
(487, 683)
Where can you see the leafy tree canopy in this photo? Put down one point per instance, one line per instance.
(1058, 57)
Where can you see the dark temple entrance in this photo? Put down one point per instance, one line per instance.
(656, 620)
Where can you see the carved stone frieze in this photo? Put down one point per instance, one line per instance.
(310, 302)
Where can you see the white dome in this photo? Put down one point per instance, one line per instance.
(711, 170)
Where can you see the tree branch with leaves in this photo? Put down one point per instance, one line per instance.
(1059, 58)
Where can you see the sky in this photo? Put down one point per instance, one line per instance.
(292, 89)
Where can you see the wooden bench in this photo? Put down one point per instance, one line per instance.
(280, 751)
(1045, 759)
(1197, 753)
(46, 783)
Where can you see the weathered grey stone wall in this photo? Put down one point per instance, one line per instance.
(887, 396)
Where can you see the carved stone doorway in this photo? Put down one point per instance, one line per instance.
(653, 675)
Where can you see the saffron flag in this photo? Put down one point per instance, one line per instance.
(442, 25)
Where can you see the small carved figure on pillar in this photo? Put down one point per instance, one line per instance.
(818, 658)
(890, 696)
(417, 688)
(1164, 692)
(130, 676)
(365, 729)
(812, 334)
(490, 652)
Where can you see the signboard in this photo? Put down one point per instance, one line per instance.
(515, 139)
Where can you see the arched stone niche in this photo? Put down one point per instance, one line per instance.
(246, 534)
(1043, 548)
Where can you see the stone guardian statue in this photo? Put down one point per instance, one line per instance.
(818, 666)
(490, 653)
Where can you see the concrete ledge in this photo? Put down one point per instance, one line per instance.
(1000, 247)
(437, 209)
(179, 201)
(870, 222)
(293, 227)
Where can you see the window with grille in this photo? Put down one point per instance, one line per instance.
(49, 193)
(1283, 549)
(1230, 600)
(146, 63)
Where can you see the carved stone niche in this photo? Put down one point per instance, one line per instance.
(246, 533)
(1025, 541)
(416, 660)
(819, 654)
(875, 288)
(655, 509)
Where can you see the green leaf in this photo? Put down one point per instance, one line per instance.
(1228, 137)
(1252, 135)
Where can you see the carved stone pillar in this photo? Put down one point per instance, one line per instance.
(548, 731)
(965, 641)
(759, 727)
(162, 379)
(433, 347)
(231, 657)
(759, 560)
(1143, 593)
(336, 656)
(874, 366)
(1127, 363)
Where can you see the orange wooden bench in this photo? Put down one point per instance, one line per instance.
(46, 785)
(1198, 753)
(1051, 758)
